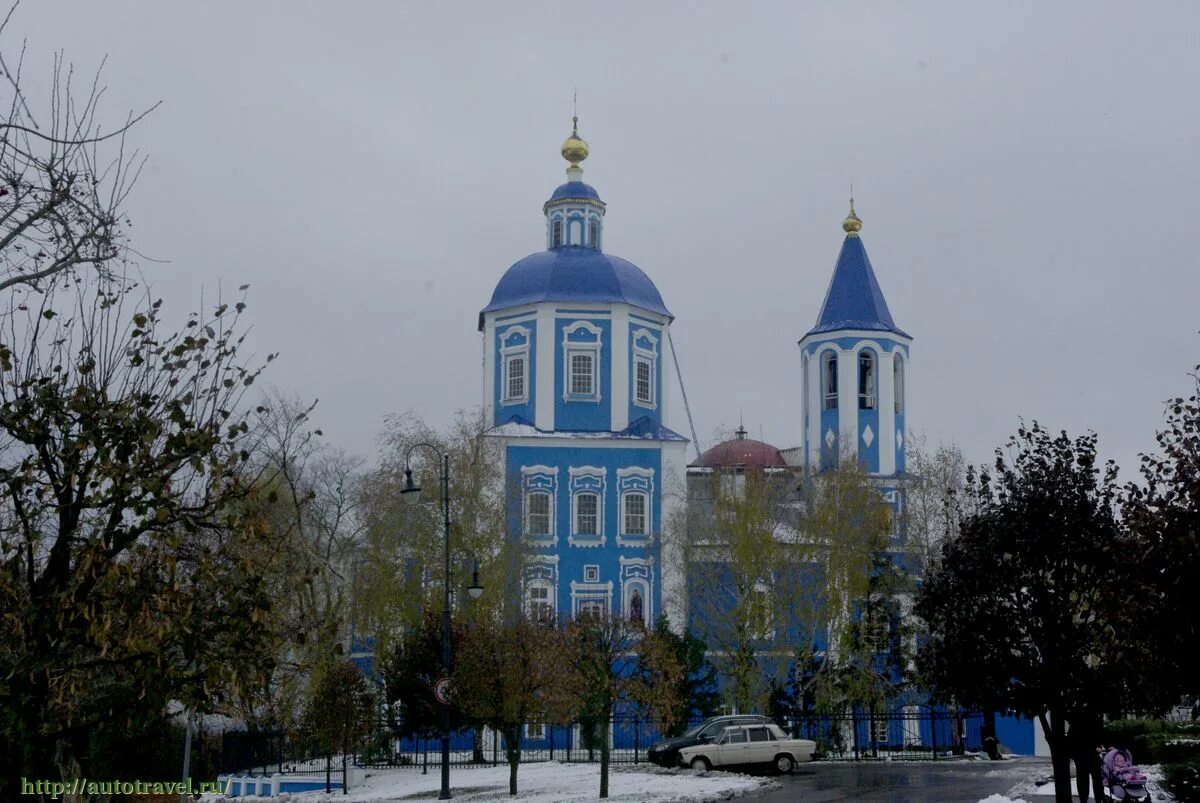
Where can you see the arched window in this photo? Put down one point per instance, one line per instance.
(594, 233)
(537, 514)
(866, 380)
(575, 231)
(556, 233)
(898, 382)
(829, 379)
(587, 514)
(539, 602)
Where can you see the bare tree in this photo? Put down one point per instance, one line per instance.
(933, 498)
(64, 177)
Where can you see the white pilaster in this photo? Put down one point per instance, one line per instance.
(544, 407)
(489, 370)
(847, 402)
(665, 366)
(887, 414)
(620, 369)
(814, 411)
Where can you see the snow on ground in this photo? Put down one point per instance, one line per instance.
(545, 782)
(1041, 787)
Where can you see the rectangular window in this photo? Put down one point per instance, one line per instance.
(516, 378)
(591, 574)
(644, 383)
(879, 730)
(587, 510)
(582, 375)
(592, 609)
(537, 521)
(761, 735)
(535, 731)
(540, 609)
(635, 514)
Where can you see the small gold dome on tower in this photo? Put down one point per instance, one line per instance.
(574, 150)
(851, 225)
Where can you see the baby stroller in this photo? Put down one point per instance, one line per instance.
(1122, 780)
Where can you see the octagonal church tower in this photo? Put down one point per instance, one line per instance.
(575, 386)
(853, 368)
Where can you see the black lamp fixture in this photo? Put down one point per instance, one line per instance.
(411, 491)
(475, 589)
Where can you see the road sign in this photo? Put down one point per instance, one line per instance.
(441, 690)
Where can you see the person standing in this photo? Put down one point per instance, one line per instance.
(1084, 740)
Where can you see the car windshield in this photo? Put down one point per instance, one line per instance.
(694, 730)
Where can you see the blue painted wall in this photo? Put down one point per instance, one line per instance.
(506, 411)
(637, 411)
(572, 559)
(583, 415)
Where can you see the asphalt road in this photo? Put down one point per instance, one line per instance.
(949, 781)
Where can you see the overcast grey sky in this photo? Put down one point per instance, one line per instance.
(1028, 175)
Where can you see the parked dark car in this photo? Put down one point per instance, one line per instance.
(666, 752)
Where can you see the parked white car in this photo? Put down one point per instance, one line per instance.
(747, 745)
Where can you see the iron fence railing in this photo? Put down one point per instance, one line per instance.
(911, 733)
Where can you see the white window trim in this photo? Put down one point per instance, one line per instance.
(556, 219)
(591, 592)
(539, 479)
(593, 231)
(569, 347)
(862, 395)
(822, 357)
(550, 598)
(535, 731)
(508, 352)
(645, 534)
(635, 479)
(575, 532)
(898, 383)
(580, 476)
(549, 534)
(542, 571)
(650, 357)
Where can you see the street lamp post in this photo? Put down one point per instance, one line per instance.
(412, 493)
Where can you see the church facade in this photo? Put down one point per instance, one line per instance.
(576, 345)
(575, 386)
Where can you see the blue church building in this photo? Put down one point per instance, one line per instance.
(575, 387)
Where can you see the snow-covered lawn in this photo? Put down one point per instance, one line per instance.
(1036, 790)
(546, 782)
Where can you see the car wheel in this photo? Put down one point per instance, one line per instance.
(700, 763)
(784, 763)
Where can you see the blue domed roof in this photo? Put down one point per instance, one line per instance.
(574, 189)
(575, 273)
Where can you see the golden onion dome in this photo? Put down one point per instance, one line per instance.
(574, 150)
(851, 225)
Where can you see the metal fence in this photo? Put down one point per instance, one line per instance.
(908, 734)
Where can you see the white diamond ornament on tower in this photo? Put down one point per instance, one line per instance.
(829, 438)
(868, 436)
(899, 439)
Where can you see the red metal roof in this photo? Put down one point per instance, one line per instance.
(742, 452)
